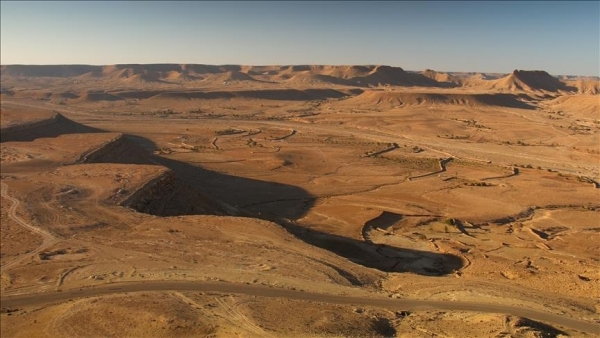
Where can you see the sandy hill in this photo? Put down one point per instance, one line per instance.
(137, 73)
(481, 76)
(585, 86)
(587, 106)
(439, 76)
(182, 76)
(146, 72)
(394, 76)
(529, 80)
(307, 77)
(261, 70)
(48, 70)
(230, 76)
(343, 75)
(396, 99)
(48, 126)
(477, 75)
(144, 78)
(140, 74)
(348, 72)
(361, 76)
(335, 71)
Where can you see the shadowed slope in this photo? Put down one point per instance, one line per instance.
(52, 127)
(411, 99)
(533, 80)
(245, 197)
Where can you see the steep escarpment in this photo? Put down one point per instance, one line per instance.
(164, 195)
(530, 81)
(442, 78)
(403, 99)
(393, 76)
(167, 195)
(51, 127)
(119, 149)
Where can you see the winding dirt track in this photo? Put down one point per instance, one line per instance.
(49, 239)
(12, 213)
(271, 292)
(376, 135)
(265, 291)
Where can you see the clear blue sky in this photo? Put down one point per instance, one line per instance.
(487, 36)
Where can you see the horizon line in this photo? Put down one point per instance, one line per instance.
(283, 65)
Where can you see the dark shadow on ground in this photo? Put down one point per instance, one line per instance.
(385, 220)
(56, 126)
(283, 204)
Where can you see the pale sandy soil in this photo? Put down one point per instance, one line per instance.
(302, 179)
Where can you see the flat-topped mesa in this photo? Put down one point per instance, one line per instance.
(117, 70)
(168, 76)
(530, 80)
(440, 76)
(164, 73)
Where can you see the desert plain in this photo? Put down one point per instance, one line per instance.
(298, 201)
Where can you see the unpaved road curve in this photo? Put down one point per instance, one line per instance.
(49, 239)
(12, 213)
(379, 136)
(272, 292)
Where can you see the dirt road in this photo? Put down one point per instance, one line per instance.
(49, 239)
(271, 292)
(477, 154)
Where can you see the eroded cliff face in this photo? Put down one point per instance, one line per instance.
(167, 195)
(117, 150)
